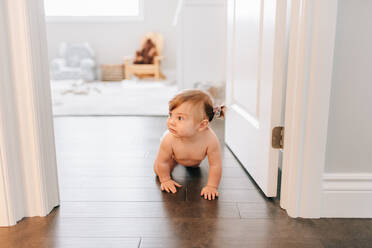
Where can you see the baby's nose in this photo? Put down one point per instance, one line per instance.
(169, 123)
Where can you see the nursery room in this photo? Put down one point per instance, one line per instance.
(129, 57)
(111, 57)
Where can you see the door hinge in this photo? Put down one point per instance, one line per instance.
(277, 138)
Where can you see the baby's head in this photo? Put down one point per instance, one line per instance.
(191, 111)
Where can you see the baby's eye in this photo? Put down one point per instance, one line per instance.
(180, 118)
(170, 114)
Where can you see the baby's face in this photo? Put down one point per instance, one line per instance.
(181, 121)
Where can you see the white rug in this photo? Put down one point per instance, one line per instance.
(129, 97)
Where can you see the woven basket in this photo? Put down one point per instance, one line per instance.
(112, 72)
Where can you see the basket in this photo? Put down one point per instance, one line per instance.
(112, 72)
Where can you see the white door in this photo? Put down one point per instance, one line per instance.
(255, 68)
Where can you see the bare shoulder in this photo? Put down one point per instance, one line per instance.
(212, 140)
(167, 139)
(166, 148)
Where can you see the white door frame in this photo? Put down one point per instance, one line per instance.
(310, 62)
(28, 168)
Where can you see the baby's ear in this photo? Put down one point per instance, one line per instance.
(203, 124)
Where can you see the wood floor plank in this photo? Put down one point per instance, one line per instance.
(204, 241)
(343, 229)
(288, 243)
(225, 183)
(112, 182)
(102, 162)
(228, 242)
(228, 195)
(260, 210)
(346, 243)
(120, 194)
(125, 161)
(116, 170)
(147, 182)
(167, 209)
(105, 154)
(70, 242)
(182, 228)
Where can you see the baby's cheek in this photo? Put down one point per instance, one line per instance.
(190, 131)
(183, 131)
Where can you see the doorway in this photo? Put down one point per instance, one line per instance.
(28, 93)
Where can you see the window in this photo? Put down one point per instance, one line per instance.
(86, 10)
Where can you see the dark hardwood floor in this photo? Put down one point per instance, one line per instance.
(111, 198)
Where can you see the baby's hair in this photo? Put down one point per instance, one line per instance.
(197, 98)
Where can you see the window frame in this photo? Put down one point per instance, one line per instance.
(56, 19)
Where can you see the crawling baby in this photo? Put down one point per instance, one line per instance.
(189, 139)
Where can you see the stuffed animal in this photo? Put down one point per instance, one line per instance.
(146, 54)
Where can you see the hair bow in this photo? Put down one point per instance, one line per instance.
(217, 111)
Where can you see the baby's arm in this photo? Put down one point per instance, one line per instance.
(164, 165)
(215, 170)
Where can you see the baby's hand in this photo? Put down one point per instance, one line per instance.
(170, 186)
(209, 192)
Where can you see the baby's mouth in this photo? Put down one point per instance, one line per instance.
(172, 130)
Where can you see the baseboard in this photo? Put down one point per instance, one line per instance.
(347, 195)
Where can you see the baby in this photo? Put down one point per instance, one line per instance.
(189, 139)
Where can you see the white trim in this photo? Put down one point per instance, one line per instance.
(347, 195)
(28, 175)
(98, 19)
(347, 182)
(4, 202)
(8, 126)
(312, 36)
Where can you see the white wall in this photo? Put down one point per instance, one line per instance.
(349, 145)
(201, 31)
(114, 40)
(347, 181)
